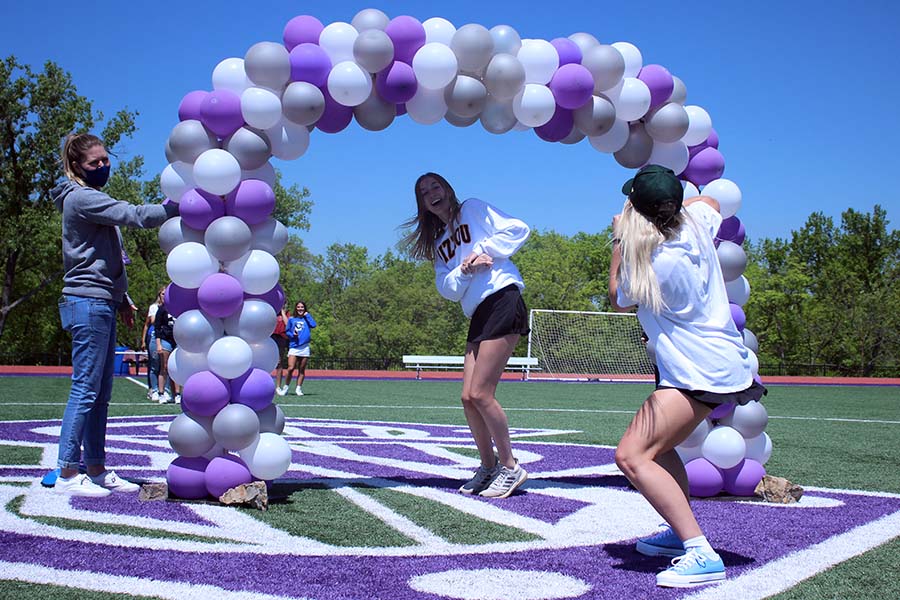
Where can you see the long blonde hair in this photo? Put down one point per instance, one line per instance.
(74, 149)
(426, 227)
(638, 238)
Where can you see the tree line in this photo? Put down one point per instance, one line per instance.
(828, 294)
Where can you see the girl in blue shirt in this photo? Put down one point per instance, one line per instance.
(298, 332)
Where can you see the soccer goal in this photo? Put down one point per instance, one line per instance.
(588, 346)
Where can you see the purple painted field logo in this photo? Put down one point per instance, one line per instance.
(574, 523)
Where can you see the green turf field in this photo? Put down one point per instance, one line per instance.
(823, 436)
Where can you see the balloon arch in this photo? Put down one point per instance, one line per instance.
(225, 290)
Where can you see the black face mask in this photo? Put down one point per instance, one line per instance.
(96, 178)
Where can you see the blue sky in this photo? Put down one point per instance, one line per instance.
(802, 94)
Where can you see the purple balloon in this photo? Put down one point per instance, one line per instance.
(705, 166)
(220, 111)
(255, 388)
(704, 478)
(558, 127)
(712, 140)
(275, 297)
(742, 479)
(252, 201)
(732, 230)
(660, 82)
(336, 116)
(224, 473)
(311, 64)
(302, 30)
(220, 295)
(179, 300)
(186, 477)
(568, 51)
(190, 105)
(737, 315)
(205, 394)
(199, 208)
(397, 83)
(572, 86)
(408, 35)
(721, 411)
(401, 109)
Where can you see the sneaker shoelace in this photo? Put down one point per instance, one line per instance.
(686, 561)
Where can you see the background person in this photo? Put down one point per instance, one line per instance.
(164, 325)
(94, 290)
(281, 339)
(664, 262)
(148, 344)
(470, 245)
(298, 331)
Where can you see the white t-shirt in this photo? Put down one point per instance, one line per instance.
(697, 344)
(482, 229)
(151, 312)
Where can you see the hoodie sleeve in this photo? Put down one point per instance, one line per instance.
(97, 207)
(451, 283)
(506, 234)
(310, 320)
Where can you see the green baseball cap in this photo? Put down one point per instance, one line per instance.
(655, 192)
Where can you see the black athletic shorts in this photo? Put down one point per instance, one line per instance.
(711, 399)
(498, 315)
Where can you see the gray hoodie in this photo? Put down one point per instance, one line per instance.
(92, 244)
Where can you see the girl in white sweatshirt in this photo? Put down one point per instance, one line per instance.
(470, 245)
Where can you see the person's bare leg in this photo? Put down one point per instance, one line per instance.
(479, 429)
(301, 373)
(291, 362)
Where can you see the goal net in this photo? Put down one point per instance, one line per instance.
(588, 346)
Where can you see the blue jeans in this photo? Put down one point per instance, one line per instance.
(92, 323)
(152, 363)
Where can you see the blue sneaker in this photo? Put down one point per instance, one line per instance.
(694, 568)
(664, 543)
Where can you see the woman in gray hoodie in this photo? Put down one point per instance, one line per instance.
(94, 289)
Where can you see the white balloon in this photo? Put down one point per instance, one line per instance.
(195, 331)
(738, 290)
(229, 357)
(289, 140)
(188, 264)
(613, 140)
(674, 156)
(435, 65)
(265, 355)
(540, 60)
(258, 271)
(427, 106)
(217, 172)
(631, 97)
(254, 322)
(724, 447)
(261, 108)
(690, 190)
(732, 259)
(534, 105)
(268, 457)
(438, 30)
(182, 364)
(634, 62)
(727, 193)
(230, 75)
(749, 420)
(699, 125)
(506, 40)
(698, 435)
(176, 179)
(337, 41)
(688, 453)
(349, 84)
(759, 448)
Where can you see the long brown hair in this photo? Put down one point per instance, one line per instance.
(74, 149)
(426, 227)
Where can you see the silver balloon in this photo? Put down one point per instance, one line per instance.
(465, 96)
(732, 259)
(250, 147)
(375, 113)
(606, 64)
(636, 150)
(668, 123)
(584, 41)
(497, 116)
(504, 76)
(303, 103)
(254, 322)
(458, 121)
(370, 18)
(750, 341)
(506, 40)
(373, 50)
(270, 235)
(271, 419)
(679, 92)
(574, 137)
(174, 232)
(473, 46)
(268, 64)
(170, 154)
(235, 427)
(596, 117)
(191, 435)
(189, 139)
(228, 238)
(195, 331)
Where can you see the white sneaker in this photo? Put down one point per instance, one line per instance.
(281, 391)
(165, 398)
(80, 485)
(480, 481)
(505, 482)
(177, 398)
(299, 391)
(112, 482)
(153, 396)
